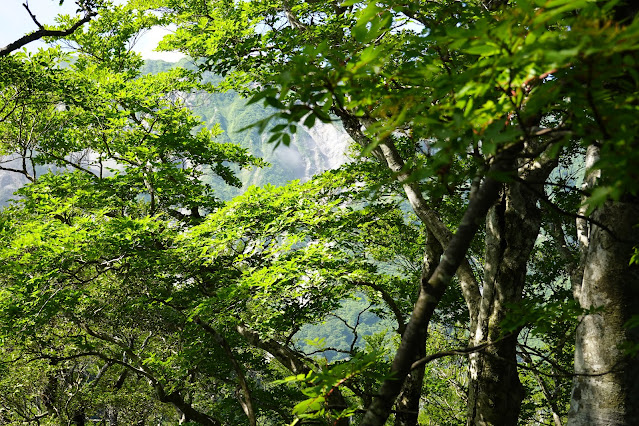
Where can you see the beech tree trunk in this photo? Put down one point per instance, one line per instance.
(495, 393)
(407, 407)
(112, 416)
(431, 293)
(453, 258)
(512, 226)
(606, 384)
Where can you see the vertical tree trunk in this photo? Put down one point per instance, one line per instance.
(430, 294)
(407, 406)
(606, 384)
(512, 225)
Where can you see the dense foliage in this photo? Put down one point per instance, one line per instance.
(479, 242)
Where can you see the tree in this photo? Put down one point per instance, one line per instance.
(129, 139)
(125, 274)
(127, 278)
(470, 93)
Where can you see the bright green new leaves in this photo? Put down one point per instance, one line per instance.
(464, 78)
(439, 90)
(273, 260)
(322, 384)
(115, 161)
(122, 271)
(122, 131)
(298, 249)
(108, 41)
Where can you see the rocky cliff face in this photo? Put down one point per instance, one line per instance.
(325, 146)
(311, 152)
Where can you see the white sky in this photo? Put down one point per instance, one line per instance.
(16, 22)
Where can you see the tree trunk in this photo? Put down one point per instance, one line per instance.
(495, 393)
(431, 293)
(244, 392)
(606, 384)
(512, 226)
(407, 406)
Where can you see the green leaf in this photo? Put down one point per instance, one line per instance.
(309, 405)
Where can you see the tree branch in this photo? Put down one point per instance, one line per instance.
(43, 32)
(433, 290)
(460, 351)
(285, 355)
(387, 154)
(399, 316)
(246, 402)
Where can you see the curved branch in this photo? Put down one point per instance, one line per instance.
(173, 398)
(247, 402)
(285, 355)
(460, 351)
(387, 154)
(399, 316)
(43, 32)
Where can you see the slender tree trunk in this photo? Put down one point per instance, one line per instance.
(244, 392)
(387, 154)
(112, 415)
(430, 295)
(606, 384)
(407, 406)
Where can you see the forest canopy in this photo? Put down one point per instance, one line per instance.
(476, 262)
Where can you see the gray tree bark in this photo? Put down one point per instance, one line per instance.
(495, 393)
(407, 407)
(432, 291)
(497, 389)
(512, 226)
(606, 384)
